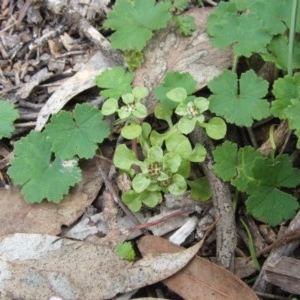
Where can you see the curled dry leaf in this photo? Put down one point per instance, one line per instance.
(40, 266)
(200, 279)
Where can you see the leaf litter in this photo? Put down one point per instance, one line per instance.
(54, 260)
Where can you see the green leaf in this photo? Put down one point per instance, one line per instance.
(124, 158)
(178, 185)
(278, 52)
(287, 101)
(140, 92)
(177, 95)
(245, 181)
(187, 125)
(292, 113)
(134, 22)
(109, 107)
(225, 157)
(185, 169)
(131, 131)
(284, 90)
(242, 104)
(40, 176)
(132, 200)
(162, 112)
(272, 205)
(128, 98)
(140, 182)
(134, 59)
(124, 113)
(277, 172)
(126, 251)
(215, 128)
(178, 4)
(8, 114)
(264, 9)
(186, 24)
(171, 162)
(198, 154)
(151, 199)
(178, 143)
(200, 189)
(157, 139)
(155, 154)
(78, 135)
(143, 139)
(140, 111)
(285, 12)
(244, 32)
(174, 80)
(116, 82)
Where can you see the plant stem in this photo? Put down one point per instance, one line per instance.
(291, 36)
(251, 246)
(234, 63)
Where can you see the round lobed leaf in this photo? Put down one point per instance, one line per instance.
(140, 92)
(186, 125)
(109, 107)
(178, 185)
(140, 182)
(198, 154)
(178, 94)
(155, 154)
(140, 111)
(124, 158)
(216, 128)
(171, 162)
(151, 199)
(132, 200)
(128, 98)
(131, 131)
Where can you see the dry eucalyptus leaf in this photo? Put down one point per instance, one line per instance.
(46, 217)
(40, 266)
(200, 279)
(81, 81)
(170, 51)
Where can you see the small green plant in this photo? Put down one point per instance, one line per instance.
(126, 251)
(261, 178)
(241, 100)
(236, 100)
(166, 163)
(160, 161)
(114, 82)
(46, 163)
(8, 114)
(130, 112)
(135, 21)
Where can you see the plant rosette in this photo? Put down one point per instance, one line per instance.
(131, 111)
(191, 114)
(159, 173)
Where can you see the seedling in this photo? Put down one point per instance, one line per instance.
(165, 158)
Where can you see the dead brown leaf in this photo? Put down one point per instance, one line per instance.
(47, 218)
(200, 279)
(40, 266)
